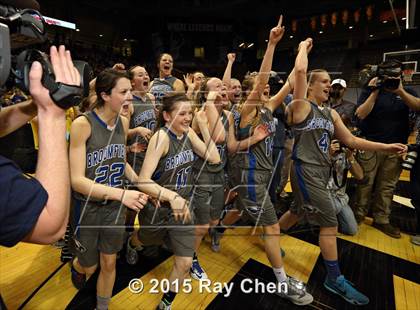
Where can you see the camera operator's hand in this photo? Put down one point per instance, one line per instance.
(398, 90)
(372, 82)
(334, 147)
(64, 71)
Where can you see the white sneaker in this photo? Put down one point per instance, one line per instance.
(296, 292)
(196, 272)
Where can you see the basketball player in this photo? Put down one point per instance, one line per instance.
(166, 82)
(166, 175)
(314, 128)
(97, 167)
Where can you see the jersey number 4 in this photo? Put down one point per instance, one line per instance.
(324, 142)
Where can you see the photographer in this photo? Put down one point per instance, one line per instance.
(337, 102)
(36, 209)
(383, 111)
(343, 160)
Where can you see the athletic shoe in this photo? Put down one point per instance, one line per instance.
(131, 255)
(296, 292)
(345, 289)
(78, 279)
(196, 272)
(415, 239)
(215, 237)
(388, 229)
(163, 306)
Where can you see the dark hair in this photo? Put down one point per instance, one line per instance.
(106, 81)
(160, 57)
(202, 94)
(168, 105)
(131, 69)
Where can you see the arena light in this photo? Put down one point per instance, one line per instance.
(291, 37)
(242, 44)
(250, 45)
(321, 32)
(350, 27)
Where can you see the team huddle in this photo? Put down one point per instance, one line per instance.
(173, 157)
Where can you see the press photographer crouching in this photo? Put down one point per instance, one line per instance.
(36, 209)
(383, 113)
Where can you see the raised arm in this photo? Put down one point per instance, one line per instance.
(278, 98)
(410, 100)
(207, 149)
(367, 105)
(228, 71)
(216, 128)
(52, 169)
(299, 108)
(248, 109)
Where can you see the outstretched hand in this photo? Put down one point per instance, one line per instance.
(397, 148)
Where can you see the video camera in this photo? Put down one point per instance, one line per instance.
(20, 28)
(388, 73)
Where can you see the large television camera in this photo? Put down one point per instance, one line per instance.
(388, 74)
(21, 28)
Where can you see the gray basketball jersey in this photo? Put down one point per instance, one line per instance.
(221, 148)
(161, 87)
(105, 153)
(313, 137)
(260, 155)
(143, 116)
(174, 170)
(236, 114)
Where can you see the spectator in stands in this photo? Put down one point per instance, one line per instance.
(384, 117)
(336, 101)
